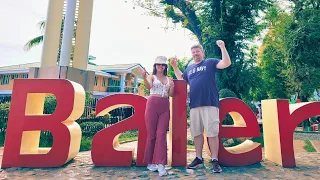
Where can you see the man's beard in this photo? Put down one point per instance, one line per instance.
(197, 58)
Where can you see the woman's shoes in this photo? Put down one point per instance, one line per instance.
(162, 171)
(152, 167)
(158, 167)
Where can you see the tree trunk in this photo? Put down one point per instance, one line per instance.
(305, 123)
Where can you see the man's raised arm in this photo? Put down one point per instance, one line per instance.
(225, 62)
(176, 69)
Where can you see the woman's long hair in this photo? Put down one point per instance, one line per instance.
(154, 72)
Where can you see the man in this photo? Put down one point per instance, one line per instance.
(204, 101)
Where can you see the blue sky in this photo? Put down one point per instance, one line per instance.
(119, 34)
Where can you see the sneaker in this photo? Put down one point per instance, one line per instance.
(152, 167)
(196, 163)
(216, 167)
(161, 169)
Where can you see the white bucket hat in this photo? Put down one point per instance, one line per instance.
(160, 60)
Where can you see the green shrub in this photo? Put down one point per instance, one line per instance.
(85, 144)
(236, 141)
(232, 142)
(4, 109)
(131, 133)
(4, 113)
(89, 129)
(96, 119)
(2, 137)
(112, 121)
(145, 89)
(46, 139)
(190, 142)
(50, 104)
(128, 136)
(89, 98)
(224, 93)
(259, 140)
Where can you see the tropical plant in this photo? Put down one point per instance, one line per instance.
(38, 40)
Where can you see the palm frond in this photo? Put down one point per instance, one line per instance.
(91, 63)
(42, 25)
(33, 42)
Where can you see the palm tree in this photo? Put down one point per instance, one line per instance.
(37, 40)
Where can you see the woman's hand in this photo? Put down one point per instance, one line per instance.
(144, 73)
(171, 83)
(171, 90)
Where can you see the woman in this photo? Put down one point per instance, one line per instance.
(157, 115)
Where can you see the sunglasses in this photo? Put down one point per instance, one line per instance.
(161, 65)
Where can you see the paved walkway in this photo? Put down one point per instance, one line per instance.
(316, 144)
(308, 167)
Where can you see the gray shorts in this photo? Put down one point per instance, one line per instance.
(205, 117)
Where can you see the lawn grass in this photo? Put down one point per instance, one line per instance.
(309, 147)
(127, 139)
(129, 136)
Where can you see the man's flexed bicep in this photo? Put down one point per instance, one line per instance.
(225, 62)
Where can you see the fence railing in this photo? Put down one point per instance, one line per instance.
(89, 114)
(113, 89)
(5, 98)
(131, 90)
(127, 89)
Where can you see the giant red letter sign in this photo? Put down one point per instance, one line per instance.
(178, 124)
(105, 142)
(103, 152)
(279, 123)
(26, 121)
(245, 125)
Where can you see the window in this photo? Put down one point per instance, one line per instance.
(5, 79)
(95, 80)
(113, 85)
(104, 82)
(25, 76)
(14, 76)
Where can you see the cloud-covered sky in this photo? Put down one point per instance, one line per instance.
(120, 34)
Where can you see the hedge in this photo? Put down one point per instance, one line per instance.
(89, 129)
